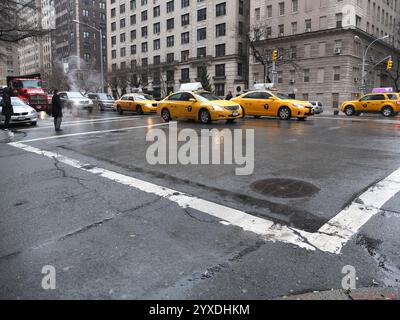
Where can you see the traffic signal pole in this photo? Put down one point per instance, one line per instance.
(274, 72)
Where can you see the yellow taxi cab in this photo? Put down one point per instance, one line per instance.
(198, 105)
(267, 103)
(388, 104)
(137, 102)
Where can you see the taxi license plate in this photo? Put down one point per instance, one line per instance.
(235, 113)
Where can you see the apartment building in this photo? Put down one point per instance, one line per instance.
(35, 52)
(76, 46)
(9, 63)
(166, 43)
(30, 49)
(321, 44)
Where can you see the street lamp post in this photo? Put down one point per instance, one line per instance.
(364, 62)
(101, 50)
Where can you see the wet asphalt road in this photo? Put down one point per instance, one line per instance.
(109, 241)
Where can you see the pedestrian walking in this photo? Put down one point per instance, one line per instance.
(229, 96)
(56, 111)
(7, 109)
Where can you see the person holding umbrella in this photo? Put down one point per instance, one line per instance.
(56, 111)
(7, 109)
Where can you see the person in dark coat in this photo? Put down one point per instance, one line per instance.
(7, 109)
(229, 96)
(56, 110)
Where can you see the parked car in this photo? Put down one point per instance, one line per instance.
(268, 103)
(317, 107)
(102, 101)
(22, 113)
(70, 99)
(137, 102)
(388, 104)
(198, 105)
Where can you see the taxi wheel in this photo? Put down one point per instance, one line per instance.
(387, 111)
(205, 116)
(284, 113)
(139, 109)
(120, 111)
(349, 111)
(166, 115)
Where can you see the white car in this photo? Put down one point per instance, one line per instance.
(317, 107)
(22, 113)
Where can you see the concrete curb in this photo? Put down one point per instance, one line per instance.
(358, 294)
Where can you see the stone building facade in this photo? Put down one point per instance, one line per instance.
(321, 44)
(166, 43)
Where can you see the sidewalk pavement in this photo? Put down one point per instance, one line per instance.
(358, 294)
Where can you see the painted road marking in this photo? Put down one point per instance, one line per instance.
(329, 238)
(357, 119)
(96, 132)
(77, 123)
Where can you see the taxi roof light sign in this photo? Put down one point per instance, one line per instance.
(193, 86)
(264, 86)
(382, 90)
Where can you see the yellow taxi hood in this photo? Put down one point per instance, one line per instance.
(302, 103)
(351, 102)
(223, 103)
(148, 101)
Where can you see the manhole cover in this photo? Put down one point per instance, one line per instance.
(284, 188)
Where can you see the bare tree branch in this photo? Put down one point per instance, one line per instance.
(16, 23)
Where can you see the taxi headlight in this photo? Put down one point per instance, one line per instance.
(296, 105)
(217, 107)
(148, 105)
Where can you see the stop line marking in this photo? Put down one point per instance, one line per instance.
(330, 238)
(86, 122)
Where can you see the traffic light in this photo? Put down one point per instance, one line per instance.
(275, 55)
(389, 64)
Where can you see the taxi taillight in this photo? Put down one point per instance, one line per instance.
(398, 102)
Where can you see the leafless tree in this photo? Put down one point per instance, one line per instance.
(14, 25)
(394, 74)
(258, 38)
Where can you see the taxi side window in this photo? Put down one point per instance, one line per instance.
(392, 97)
(131, 99)
(175, 97)
(124, 98)
(377, 97)
(253, 95)
(265, 95)
(366, 98)
(186, 97)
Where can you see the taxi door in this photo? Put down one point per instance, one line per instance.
(252, 103)
(377, 102)
(185, 107)
(267, 105)
(130, 103)
(366, 104)
(172, 104)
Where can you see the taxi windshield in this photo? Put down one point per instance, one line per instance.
(282, 96)
(207, 96)
(144, 97)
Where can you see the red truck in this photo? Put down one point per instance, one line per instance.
(29, 89)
